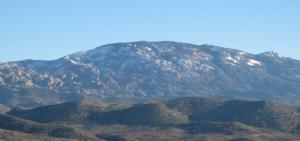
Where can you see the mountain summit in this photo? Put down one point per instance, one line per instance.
(149, 70)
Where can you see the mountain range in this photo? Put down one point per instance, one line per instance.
(141, 71)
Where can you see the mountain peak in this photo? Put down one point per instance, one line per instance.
(271, 54)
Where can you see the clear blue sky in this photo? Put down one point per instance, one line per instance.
(48, 29)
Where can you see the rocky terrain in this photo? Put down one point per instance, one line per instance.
(139, 71)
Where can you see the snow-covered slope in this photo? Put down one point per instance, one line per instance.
(143, 70)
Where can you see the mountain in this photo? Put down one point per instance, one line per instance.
(169, 120)
(138, 71)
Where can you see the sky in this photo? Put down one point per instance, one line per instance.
(49, 29)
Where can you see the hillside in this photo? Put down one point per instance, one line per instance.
(6, 135)
(261, 114)
(189, 119)
(138, 71)
(25, 126)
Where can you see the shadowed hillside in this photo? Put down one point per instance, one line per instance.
(181, 119)
(16, 124)
(154, 114)
(261, 114)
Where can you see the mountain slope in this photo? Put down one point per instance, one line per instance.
(70, 112)
(16, 124)
(6, 135)
(87, 113)
(147, 70)
(261, 114)
(176, 119)
(153, 114)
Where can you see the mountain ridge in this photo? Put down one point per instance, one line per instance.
(260, 114)
(152, 70)
(180, 119)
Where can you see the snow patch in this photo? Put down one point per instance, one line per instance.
(201, 56)
(231, 59)
(165, 49)
(61, 84)
(145, 52)
(253, 62)
(73, 61)
(242, 53)
(272, 54)
(205, 68)
(185, 62)
(148, 48)
(166, 65)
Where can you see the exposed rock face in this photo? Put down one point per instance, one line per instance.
(143, 70)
